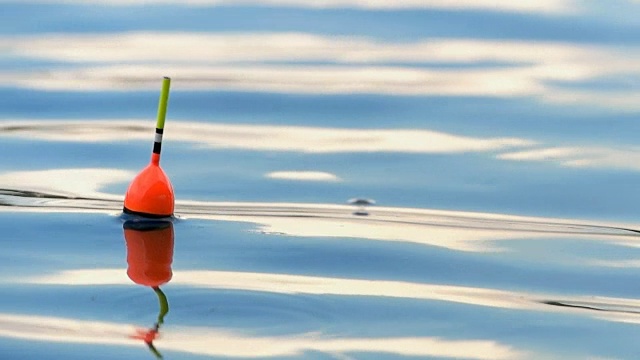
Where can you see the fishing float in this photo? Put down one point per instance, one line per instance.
(150, 194)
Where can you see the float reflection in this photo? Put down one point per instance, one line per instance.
(149, 259)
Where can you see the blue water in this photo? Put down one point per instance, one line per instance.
(500, 147)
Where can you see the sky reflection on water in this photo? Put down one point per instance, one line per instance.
(542, 71)
(208, 341)
(542, 6)
(328, 141)
(177, 335)
(291, 284)
(266, 138)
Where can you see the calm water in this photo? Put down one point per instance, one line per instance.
(498, 139)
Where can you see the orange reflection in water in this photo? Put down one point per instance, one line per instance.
(149, 258)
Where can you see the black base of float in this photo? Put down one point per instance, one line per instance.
(146, 225)
(145, 215)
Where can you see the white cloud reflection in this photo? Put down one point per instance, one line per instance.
(611, 308)
(303, 176)
(627, 158)
(249, 62)
(214, 48)
(326, 140)
(225, 343)
(470, 232)
(633, 263)
(262, 137)
(303, 79)
(81, 182)
(454, 238)
(300, 284)
(524, 6)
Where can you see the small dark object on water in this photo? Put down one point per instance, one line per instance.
(362, 204)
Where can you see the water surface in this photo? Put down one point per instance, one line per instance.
(498, 142)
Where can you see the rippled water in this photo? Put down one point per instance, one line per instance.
(498, 140)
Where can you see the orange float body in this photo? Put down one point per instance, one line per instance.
(150, 194)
